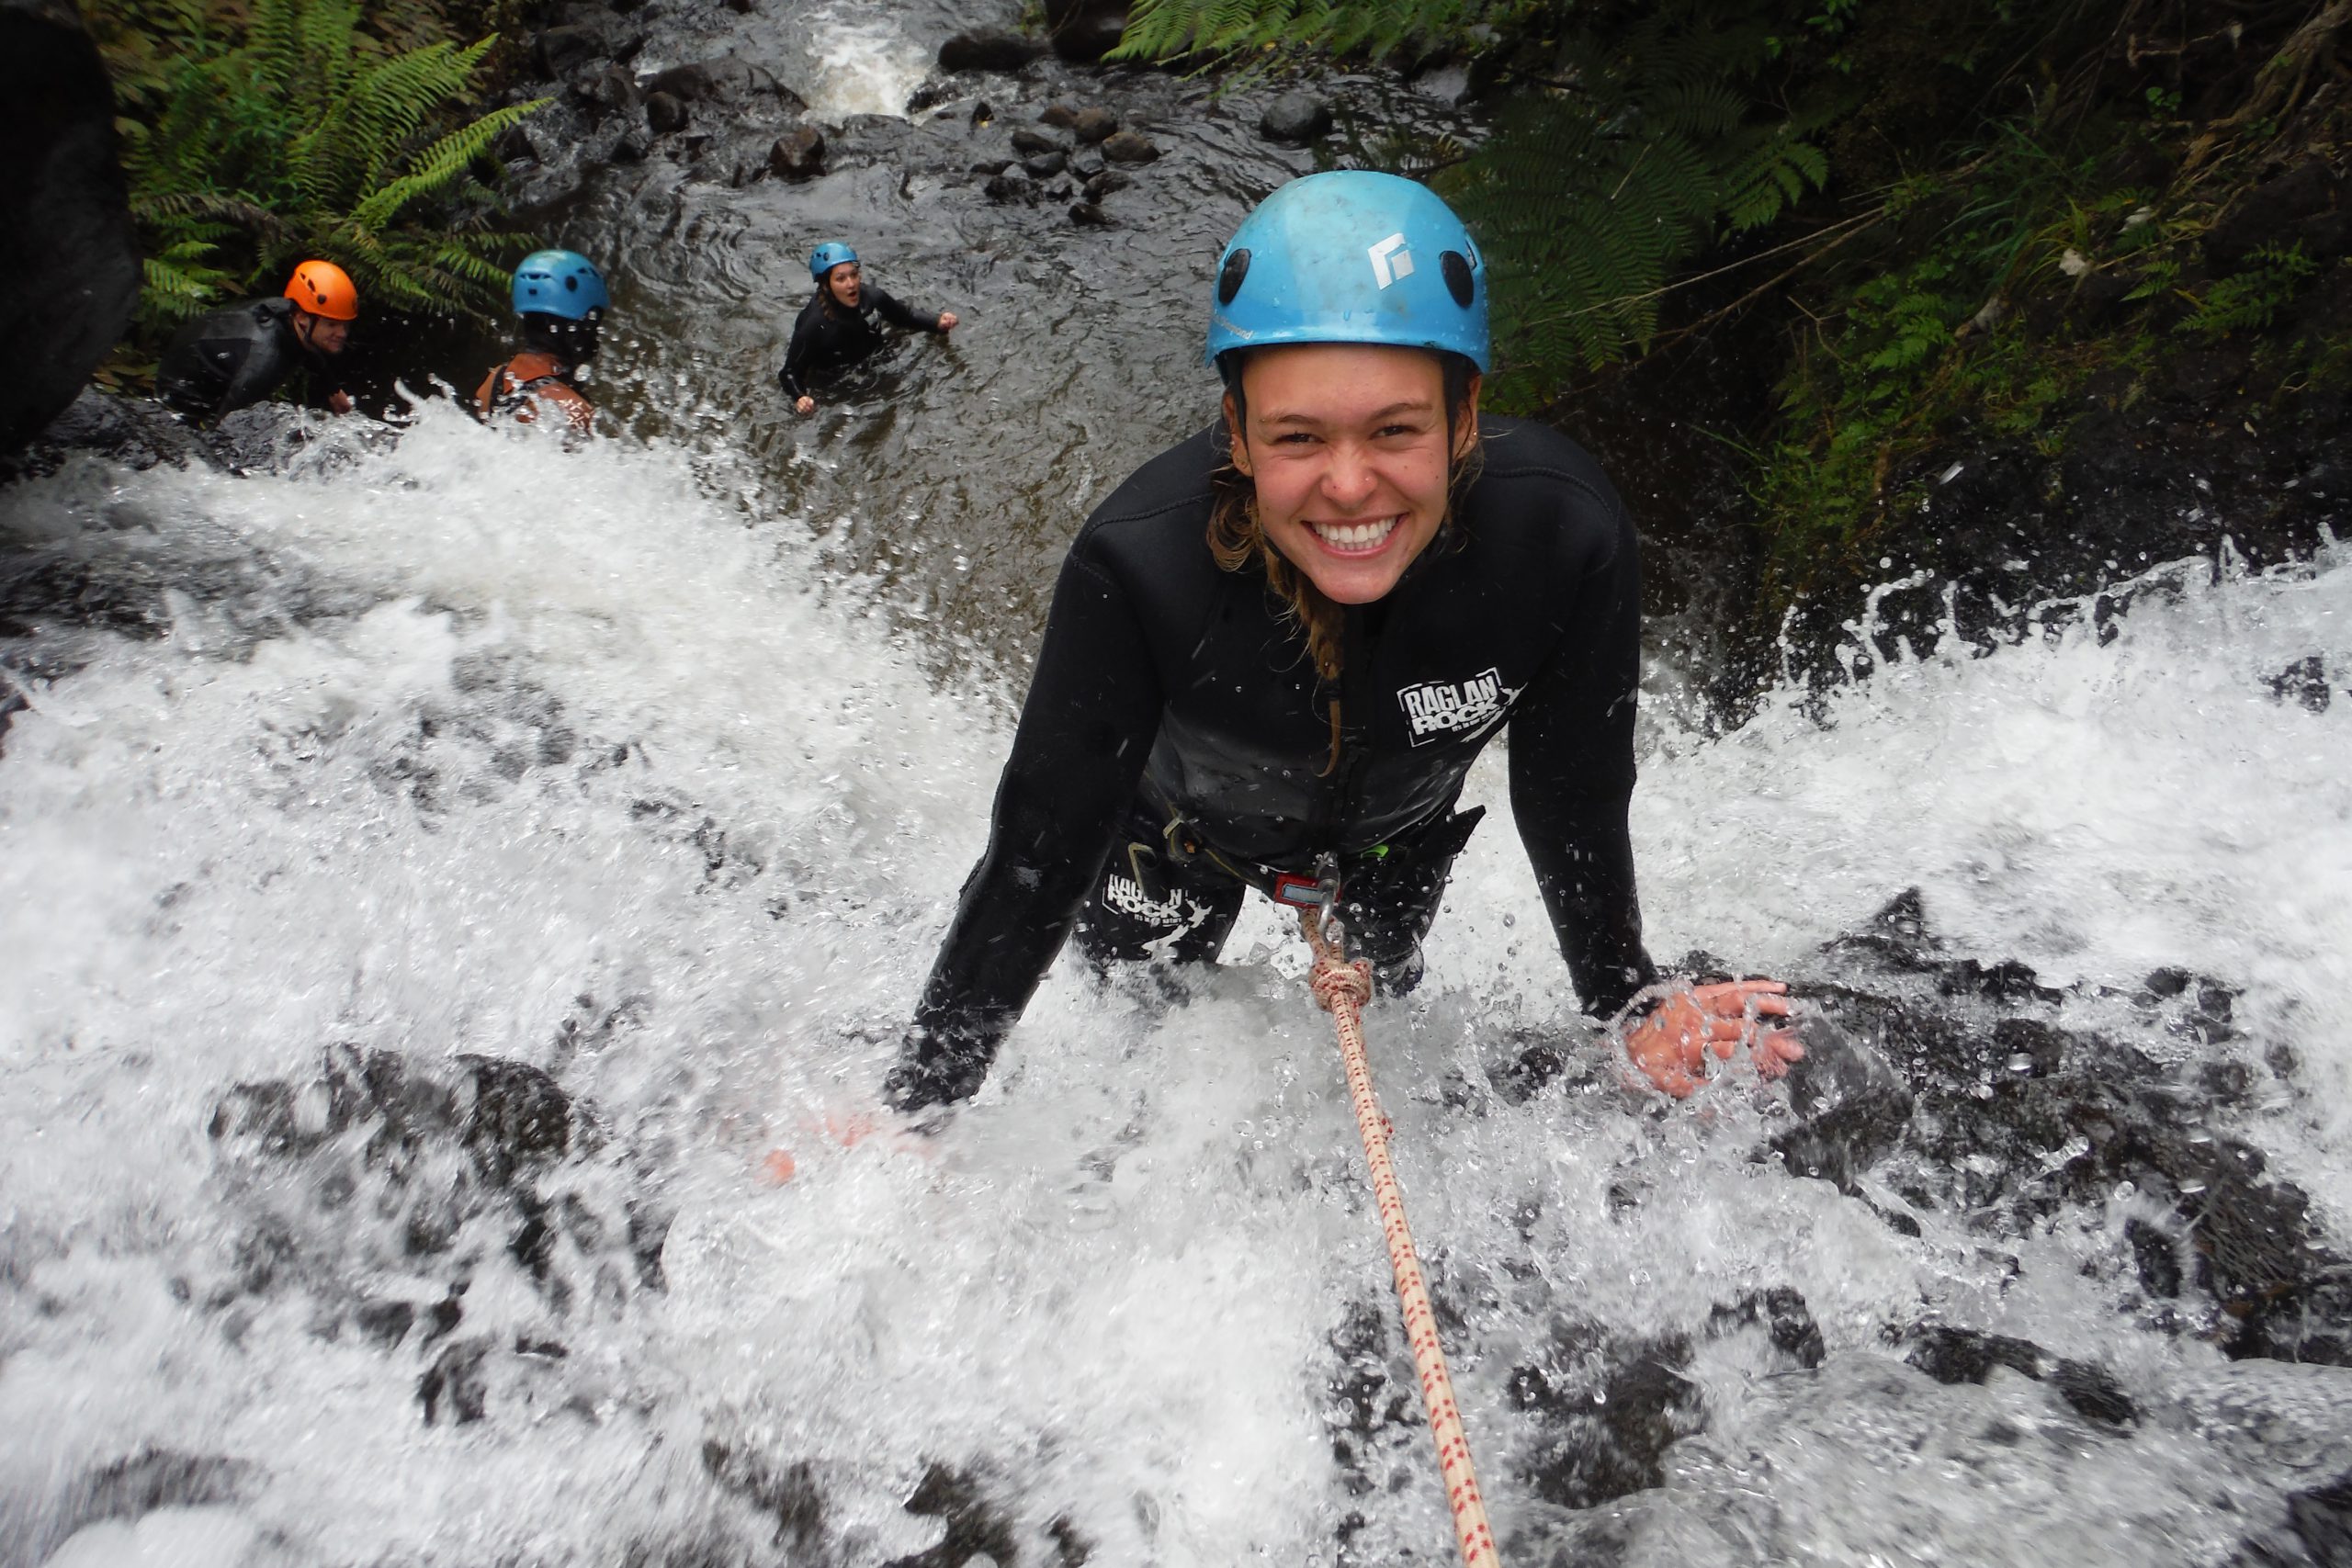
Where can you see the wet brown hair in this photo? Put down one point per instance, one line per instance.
(1237, 539)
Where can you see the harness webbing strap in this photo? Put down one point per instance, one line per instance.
(1343, 989)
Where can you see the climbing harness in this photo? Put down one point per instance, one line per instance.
(1342, 989)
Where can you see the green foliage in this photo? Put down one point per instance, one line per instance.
(2251, 298)
(255, 138)
(1646, 139)
(1587, 202)
(1217, 32)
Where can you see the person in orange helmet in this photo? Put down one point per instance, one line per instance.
(235, 356)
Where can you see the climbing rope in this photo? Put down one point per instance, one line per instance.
(1342, 989)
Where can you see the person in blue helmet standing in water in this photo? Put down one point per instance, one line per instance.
(1274, 652)
(561, 298)
(837, 326)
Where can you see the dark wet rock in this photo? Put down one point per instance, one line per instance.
(1057, 113)
(1027, 142)
(1969, 1356)
(69, 259)
(1109, 180)
(1296, 119)
(1129, 147)
(608, 90)
(630, 149)
(519, 1118)
(930, 95)
(1609, 1408)
(514, 145)
(2304, 681)
(385, 1323)
(557, 51)
(1855, 1109)
(798, 154)
(786, 1493)
(456, 1386)
(2304, 205)
(742, 7)
(989, 49)
(1093, 124)
(649, 1229)
(664, 114)
(1085, 214)
(2322, 1519)
(1009, 186)
(2155, 1257)
(138, 433)
(2015, 1115)
(983, 113)
(988, 166)
(727, 80)
(1085, 30)
(975, 1526)
(1962, 1355)
(1783, 1315)
(1045, 165)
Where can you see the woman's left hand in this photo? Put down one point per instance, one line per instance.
(1670, 1045)
(946, 320)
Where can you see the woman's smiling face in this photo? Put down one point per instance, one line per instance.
(1346, 444)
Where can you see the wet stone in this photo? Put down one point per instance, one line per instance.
(1109, 180)
(664, 113)
(1026, 142)
(798, 154)
(989, 49)
(1008, 186)
(1086, 215)
(1045, 165)
(385, 1323)
(1295, 119)
(1059, 115)
(2304, 683)
(455, 1387)
(2322, 1520)
(727, 80)
(1129, 147)
(609, 89)
(1608, 1409)
(1093, 124)
(519, 1117)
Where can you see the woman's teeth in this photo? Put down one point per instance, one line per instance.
(1354, 536)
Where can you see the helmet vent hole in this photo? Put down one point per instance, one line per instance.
(1456, 268)
(1228, 280)
(571, 285)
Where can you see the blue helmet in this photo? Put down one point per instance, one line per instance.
(827, 257)
(559, 283)
(1352, 257)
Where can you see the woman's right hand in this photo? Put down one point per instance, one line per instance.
(1672, 1042)
(805, 405)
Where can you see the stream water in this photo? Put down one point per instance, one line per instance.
(451, 864)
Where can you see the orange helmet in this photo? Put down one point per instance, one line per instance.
(324, 290)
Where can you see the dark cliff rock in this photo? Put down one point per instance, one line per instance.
(69, 260)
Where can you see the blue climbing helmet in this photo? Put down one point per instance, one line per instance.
(1352, 257)
(559, 283)
(827, 257)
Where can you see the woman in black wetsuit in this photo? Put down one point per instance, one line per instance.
(1274, 652)
(836, 327)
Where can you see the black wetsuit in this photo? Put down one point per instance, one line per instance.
(1168, 685)
(236, 356)
(829, 335)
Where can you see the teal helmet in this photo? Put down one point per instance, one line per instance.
(1352, 257)
(559, 283)
(827, 257)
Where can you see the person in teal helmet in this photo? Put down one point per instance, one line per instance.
(1274, 652)
(561, 299)
(836, 328)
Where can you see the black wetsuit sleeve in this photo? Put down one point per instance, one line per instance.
(1572, 778)
(794, 377)
(903, 315)
(1088, 725)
